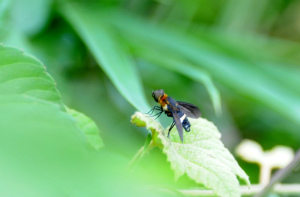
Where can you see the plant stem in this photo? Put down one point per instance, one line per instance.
(280, 175)
(278, 189)
(136, 157)
(141, 152)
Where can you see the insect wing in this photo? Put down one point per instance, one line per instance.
(189, 109)
(177, 123)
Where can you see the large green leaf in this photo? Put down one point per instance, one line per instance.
(108, 52)
(25, 75)
(202, 155)
(40, 145)
(43, 153)
(42, 148)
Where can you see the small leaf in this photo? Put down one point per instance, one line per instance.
(202, 156)
(88, 128)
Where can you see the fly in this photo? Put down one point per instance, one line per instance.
(178, 110)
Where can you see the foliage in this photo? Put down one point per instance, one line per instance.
(237, 60)
(88, 127)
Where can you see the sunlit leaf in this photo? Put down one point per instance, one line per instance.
(202, 155)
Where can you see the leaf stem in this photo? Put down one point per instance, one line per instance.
(140, 154)
(136, 157)
(278, 189)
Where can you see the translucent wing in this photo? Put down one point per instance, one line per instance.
(189, 109)
(177, 123)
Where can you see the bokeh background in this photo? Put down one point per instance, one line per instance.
(239, 61)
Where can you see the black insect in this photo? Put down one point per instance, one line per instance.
(177, 109)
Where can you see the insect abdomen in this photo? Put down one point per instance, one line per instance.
(184, 121)
(186, 125)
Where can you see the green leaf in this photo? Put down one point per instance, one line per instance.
(43, 151)
(202, 156)
(23, 74)
(38, 142)
(108, 52)
(88, 127)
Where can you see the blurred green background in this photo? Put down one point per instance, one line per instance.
(239, 61)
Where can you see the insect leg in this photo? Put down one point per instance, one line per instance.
(171, 127)
(158, 114)
(152, 110)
